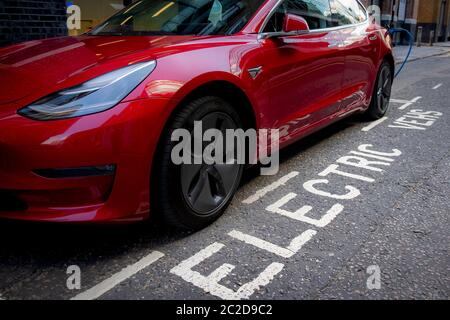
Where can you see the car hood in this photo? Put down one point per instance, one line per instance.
(38, 68)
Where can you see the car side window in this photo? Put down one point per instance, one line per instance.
(316, 12)
(346, 12)
(275, 23)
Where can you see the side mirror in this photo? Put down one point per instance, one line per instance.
(293, 23)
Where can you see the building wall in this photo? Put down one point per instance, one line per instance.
(418, 13)
(447, 18)
(444, 32)
(23, 20)
(398, 13)
(94, 12)
(429, 19)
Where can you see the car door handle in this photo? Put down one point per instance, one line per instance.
(373, 37)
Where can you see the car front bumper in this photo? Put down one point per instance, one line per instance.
(94, 168)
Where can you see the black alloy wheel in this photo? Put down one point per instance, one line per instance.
(193, 195)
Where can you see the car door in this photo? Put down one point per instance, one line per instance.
(305, 71)
(361, 48)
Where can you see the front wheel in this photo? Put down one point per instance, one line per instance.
(191, 196)
(379, 105)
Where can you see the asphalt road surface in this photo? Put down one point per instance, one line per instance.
(378, 229)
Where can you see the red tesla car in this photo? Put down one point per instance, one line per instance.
(86, 122)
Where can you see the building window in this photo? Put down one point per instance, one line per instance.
(95, 12)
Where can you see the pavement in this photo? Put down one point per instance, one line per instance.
(379, 229)
(422, 52)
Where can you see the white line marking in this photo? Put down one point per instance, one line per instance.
(333, 169)
(106, 285)
(210, 283)
(409, 103)
(437, 87)
(295, 246)
(406, 105)
(261, 193)
(265, 277)
(399, 101)
(374, 124)
(301, 214)
(199, 257)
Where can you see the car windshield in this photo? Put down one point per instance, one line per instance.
(182, 17)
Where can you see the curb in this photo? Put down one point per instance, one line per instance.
(424, 57)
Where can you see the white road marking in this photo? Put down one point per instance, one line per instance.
(374, 124)
(417, 119)
(406, 105)
(437, 87)
(409, 103)
(261, 193)
(310, 186)
(333, 169)
(363, 163)
(399, 101)
(106, 285)
(366, 148)
(295, 246)
(261, 281)
(210, 284)
(372, 156)
(301, 214)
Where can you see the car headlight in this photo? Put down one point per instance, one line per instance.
(96, 95)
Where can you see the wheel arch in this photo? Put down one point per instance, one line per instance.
(227, 91)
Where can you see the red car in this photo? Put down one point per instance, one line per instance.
(86, 122)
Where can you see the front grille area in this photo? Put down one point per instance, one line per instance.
(10, 202)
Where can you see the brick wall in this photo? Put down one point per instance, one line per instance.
(23, 20)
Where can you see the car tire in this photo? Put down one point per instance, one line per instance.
(379, 105)
(193, 196)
